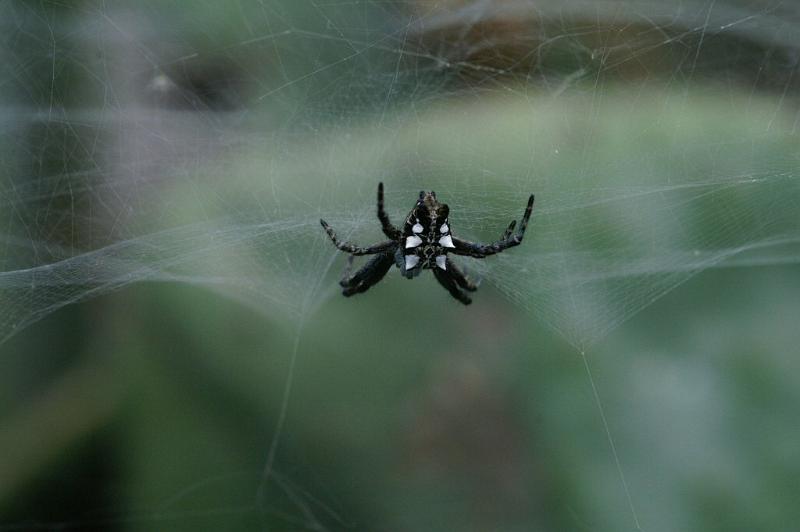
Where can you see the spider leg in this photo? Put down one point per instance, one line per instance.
(388, 229)
(509, 240)
(509, 230)
(525, 217)
(372, 272)
(450, 284)
(460, 277)
(352, 248)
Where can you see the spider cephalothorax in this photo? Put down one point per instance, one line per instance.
(423, 243)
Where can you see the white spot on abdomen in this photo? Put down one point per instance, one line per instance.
(417, 228)
(411, 261)
(413, 241)
(441, 261)
(444, 229)
(446, 241)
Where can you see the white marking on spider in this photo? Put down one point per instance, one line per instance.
(417, 228)
(441, 261)
(447, 241)
(411, 261)
(413, 241)
(444, 228)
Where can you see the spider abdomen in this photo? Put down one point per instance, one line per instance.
(426, 252)
(426, 236)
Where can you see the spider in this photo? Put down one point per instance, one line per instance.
(423, 244)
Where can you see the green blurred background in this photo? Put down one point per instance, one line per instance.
(176, 354)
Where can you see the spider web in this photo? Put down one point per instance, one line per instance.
(254, 233)
(660, 140)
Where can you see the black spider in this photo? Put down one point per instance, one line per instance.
(422, 244)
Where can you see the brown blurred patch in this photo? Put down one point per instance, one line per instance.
(504, 40)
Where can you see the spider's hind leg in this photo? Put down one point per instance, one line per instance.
(371, 273)
(447, 280)
(460, 277)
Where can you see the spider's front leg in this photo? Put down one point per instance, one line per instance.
(388, 229)
(508, 240)
(352, 248)
(509, 230)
